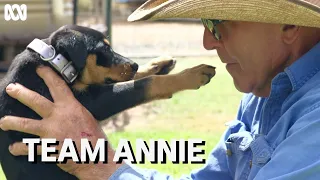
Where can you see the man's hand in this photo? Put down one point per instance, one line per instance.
(63, 118)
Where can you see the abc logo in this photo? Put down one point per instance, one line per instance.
(9, 12)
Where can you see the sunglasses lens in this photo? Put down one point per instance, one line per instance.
(211, 25)
(208, 24)
(217, 36)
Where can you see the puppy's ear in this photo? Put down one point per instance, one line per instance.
(72, 45)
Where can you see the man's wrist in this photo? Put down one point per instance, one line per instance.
(100, 171)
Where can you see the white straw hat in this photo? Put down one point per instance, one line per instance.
(293, 12)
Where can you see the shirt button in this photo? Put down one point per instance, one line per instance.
(229, 152)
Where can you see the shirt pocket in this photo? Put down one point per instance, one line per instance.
(238, 145)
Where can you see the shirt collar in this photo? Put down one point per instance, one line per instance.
(304, 68)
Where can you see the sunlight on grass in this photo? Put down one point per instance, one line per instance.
(2, 176)
(205, 109)
(217, 97)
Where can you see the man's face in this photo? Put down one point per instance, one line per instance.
(253, 53)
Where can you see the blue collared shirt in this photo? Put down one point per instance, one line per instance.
(272, 138)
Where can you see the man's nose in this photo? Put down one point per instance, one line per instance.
(209, 41)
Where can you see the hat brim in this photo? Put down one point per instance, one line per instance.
(293, 12)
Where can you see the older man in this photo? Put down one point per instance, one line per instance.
(271, 49)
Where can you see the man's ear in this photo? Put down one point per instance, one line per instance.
(290, 33)
(71, 44)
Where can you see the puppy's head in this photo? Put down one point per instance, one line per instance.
(92, 56)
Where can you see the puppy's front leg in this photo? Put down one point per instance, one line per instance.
(112, 99)
(164, 86)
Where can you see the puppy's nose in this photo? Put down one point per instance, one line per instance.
(134, 67)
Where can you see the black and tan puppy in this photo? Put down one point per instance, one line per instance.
(108, 83)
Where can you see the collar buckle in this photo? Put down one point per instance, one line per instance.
(59, 62)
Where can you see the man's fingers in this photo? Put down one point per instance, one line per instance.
(33, 100)
(25, 125)
(59, 90)
(19, 149)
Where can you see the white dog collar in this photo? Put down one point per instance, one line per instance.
(59, 62)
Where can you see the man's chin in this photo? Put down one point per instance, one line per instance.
(242, 87)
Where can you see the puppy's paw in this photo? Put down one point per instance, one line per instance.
(197, 76)
(161, 65)
(158, 66)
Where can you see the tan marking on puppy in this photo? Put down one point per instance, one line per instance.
(94, 74)
(79, 86)
(106, 41)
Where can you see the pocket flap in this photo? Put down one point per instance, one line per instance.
(240, 141)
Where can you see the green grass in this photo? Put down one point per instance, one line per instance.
(188, 114)
(2, 177)
(219, 97)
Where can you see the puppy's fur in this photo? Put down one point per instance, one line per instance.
(108, 84)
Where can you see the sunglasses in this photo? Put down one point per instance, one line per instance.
(211, 24)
